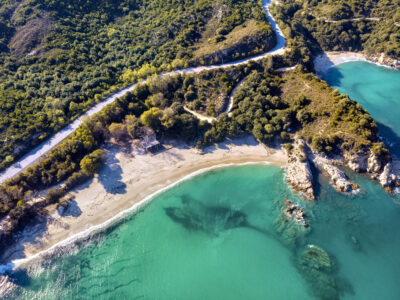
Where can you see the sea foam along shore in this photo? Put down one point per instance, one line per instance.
(333, 58)
(141, 178)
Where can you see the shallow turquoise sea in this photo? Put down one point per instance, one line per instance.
(221, 235)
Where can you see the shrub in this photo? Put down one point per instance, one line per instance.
(92, 162)
(151, 118)
(54, 195)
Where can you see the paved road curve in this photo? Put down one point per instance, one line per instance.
(43, 148)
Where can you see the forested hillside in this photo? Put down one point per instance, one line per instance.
(372, 26)
(58, 58)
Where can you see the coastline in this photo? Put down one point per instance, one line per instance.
(333, 58)
(140, 177)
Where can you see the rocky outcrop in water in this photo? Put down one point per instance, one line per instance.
(298, 172)
(378, 167)
(337, 177)
(385, 173)
(295, 213)
(291, 224)
(389, 178)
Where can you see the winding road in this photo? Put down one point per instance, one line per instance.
(43, 148)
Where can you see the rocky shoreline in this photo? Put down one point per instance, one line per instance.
(300, 177)
(298, 171)
(385, 60)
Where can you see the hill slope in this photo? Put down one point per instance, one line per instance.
(58, 58)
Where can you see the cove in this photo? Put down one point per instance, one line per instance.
(221, 235)
(211, 237)
(377, 89)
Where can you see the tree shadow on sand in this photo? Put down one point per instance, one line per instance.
(110, 175)
(35, 228)
(71, 208)
(243, 140)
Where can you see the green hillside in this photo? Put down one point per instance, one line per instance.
(58, 58)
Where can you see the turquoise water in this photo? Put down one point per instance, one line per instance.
(211, 237)
(377, 89)
(222, 235)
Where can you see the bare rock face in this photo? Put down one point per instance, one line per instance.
(357, 163)
(390, 177)
(374, 164)
(339, 179)
(386, 174)
(386, 177)
(298, 172)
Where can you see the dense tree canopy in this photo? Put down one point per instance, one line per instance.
(58, 58)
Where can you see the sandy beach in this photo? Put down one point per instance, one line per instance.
(332, 58)
(126, 181)
(329, 59)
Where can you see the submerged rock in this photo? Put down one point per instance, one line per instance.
(194, 215)
(316, 266)
(355, 243)
(315, 257)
